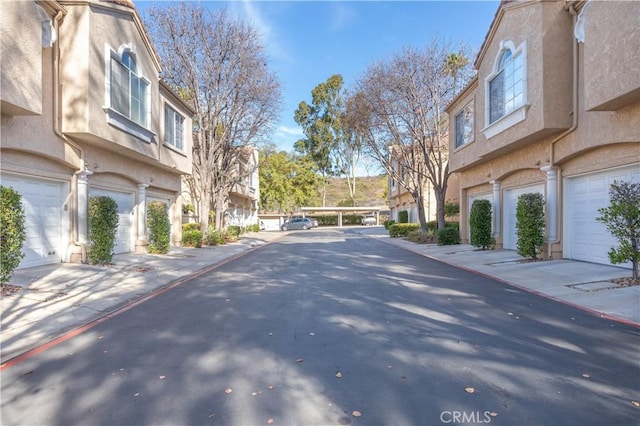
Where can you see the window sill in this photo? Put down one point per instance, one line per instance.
(505, 122)
(464, 145)
(123, 123)
(176, 150)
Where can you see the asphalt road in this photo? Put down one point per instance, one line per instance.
(330, 327)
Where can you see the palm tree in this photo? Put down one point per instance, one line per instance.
(453, 64)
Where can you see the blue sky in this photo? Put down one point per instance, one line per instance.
(308, 41)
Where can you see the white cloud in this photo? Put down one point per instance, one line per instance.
(271, 39)
(290, 131)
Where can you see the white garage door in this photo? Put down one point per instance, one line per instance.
(42, 201)
(510, 240)
(584, 237)
(478, 197)
(124, 235)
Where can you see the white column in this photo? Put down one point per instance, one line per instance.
(496, 208)
(340, 219)
(551, 202)
(142, 212)
(83, 205)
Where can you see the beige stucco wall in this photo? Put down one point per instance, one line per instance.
(612, 29)
(21, 65)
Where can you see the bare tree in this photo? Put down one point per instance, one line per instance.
(402, 103)
(219, 66)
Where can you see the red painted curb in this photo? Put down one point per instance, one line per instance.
(79, 330)
(521, 287)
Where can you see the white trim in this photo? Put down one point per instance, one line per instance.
(505, 122)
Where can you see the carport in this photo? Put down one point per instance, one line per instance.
(341, 210)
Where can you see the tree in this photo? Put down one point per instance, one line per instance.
(402, 108)
(286, 182)
(455, 63)
(322, 124)
(218, 65)
(622, 219)
(530, 225)
(12, 232)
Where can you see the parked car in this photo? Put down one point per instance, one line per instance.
(297, 223)
(368, 220)
(314, 222)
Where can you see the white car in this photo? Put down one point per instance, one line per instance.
(368, 220)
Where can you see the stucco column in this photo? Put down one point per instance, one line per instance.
(551, 202)
(142, 214)
(340, 219)
(496, 208)
(83, 205)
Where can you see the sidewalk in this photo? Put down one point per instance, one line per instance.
(580, 284)
(58, 298)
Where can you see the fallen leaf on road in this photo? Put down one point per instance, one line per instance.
(339, 375)
(254, 393)
(299, 360)
(270, 421)
(469, 390)
(493, 414)
(228, 390)
(356, 413)
(312, 334)
(136, 394)
(636, 403)
(389, 366)
(509, 313)
(101, 337)
(162, 377)
(586, 376)
(270, 387)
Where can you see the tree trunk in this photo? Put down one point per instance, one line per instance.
(205, 205)
(418, 197)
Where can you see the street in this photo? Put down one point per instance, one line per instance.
(329, 326)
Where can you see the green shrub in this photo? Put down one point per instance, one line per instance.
(12, 232)
(530, 225)
(403, 216)
(416, 236)
(622, 219)
(158, 227)
(190, 227)
(402, 229)
(480, 224)
(192, 238)
(233, 231)
(214, 237)
(388, 223)
(448, 236)
(451, 209)
(103, 224)
(253, 228)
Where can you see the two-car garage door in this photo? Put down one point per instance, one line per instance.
(586, 238)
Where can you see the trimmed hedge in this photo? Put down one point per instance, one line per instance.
(214, 237)
(448, 236)
(403, 216)
(103, 224)
(158, 227)
(480, 224)
(388, 223)
(530, 224)
(12, 232)
(402, 229)
(192, 238)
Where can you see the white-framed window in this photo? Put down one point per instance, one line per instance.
(127, 93)
(128, 89)
(464, 125)
(506, 89)
(173, 128)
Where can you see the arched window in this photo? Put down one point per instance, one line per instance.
(128, 89)
(507, 83)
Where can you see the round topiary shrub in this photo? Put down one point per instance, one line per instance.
(103, 224)
(448, 236)
(12, 232)
(158, 227)
(480, 224)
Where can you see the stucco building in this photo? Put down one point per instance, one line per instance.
(555, 109)
(84, 113)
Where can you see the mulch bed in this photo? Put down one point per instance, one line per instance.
(625, 281)
(9, 289)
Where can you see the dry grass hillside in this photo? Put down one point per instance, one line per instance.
(370, 191)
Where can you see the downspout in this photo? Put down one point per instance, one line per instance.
(571, 9)
(57, 131)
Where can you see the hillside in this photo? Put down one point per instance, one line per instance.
(370, 191)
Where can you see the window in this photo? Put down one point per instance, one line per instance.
(128, 90)
(464, 125)
(173, 128)
(506, 85)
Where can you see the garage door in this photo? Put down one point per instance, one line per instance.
(510, 239)
(471, 200)
(124, 235)
(584, 237)
(42, 201)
